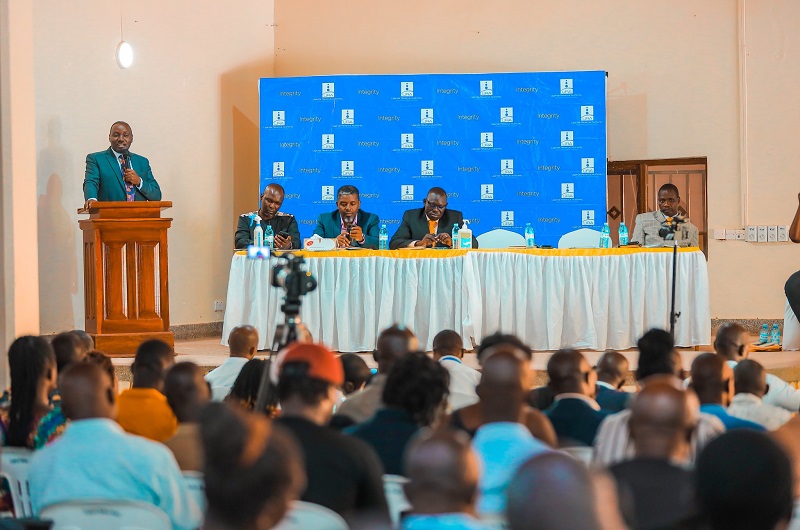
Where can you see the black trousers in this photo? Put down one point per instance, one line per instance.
(792, 289)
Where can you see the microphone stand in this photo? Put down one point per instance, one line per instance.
(673, 316)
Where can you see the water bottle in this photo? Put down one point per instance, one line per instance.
(258, 233)
(269, 237)
(623, 234)
(763, 337)
(605, 236)
(775, 336)
(530, 240)
(383, 238)
(465, 235)
(454, 237)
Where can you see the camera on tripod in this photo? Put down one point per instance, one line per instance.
(289, 274)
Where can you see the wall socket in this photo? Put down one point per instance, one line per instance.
(783, 233)
(762, 234)
(772, 234)
(752, 234)
(219, 305)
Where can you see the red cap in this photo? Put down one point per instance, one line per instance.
(322, 364)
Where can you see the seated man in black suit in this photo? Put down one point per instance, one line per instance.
(349, 224)
(430, 226)
(612, 368)
(270, 214)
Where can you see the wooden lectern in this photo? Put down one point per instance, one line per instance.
(126, 287)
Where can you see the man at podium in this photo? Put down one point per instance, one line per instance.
(116, 174)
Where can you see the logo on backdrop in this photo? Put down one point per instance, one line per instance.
(486, 88)
(487, 139)
(567, 190)
(487, 192)
(566, 86)
(507, 166)
(426, 168)
(407, 89)
(278, 118)
(587, 113)
(348, 116)
(506, 114)
(348, 168)
(277, 169)
(407, 192)
(507, 218)
(426, 116)
(587, 165)
(407, 141)
(327, 90)
(587, 217)
(327, 193)
(567, 138)
(327, 142)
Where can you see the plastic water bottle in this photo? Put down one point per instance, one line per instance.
(383, 238)
(269, 237)
(465, 235)
(258, 233)
(623, 234)
(454, 237)
(775, 336)
(530, 240)
(605, 236)
(763, 337)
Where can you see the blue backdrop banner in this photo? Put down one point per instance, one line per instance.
(509, 149)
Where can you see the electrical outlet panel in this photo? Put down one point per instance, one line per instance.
(772, 234)
(762, 234)
(783, 233)
(719, 233)
(752, 234)
(735, 235)
(218, 305)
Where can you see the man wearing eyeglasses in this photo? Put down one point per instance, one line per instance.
(429, 226)
(649, 230)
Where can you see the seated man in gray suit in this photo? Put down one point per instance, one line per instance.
(118, 175)
(429, 226)
(349, 224)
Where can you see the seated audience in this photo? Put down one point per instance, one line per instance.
(750, 382)
(575, 414)
(356, 373)
(87, 343)
(744, 482)
(343, 473)
(612, 368)
(143, 409)
(242, 344)
(244, 391)
(712, 380)
(443, 477)
(502, 443)
(448, 350)
(253, 472)
(68, 349)
(657, 356)
(187, 393)
(653, 490)
(95, 459)
(415, 396)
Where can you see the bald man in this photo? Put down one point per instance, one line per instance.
(430, 226)
(654, 489)
(187, 393)
(243, 345)
(96, 459)
(712, 380)
(443, 474)
(750, 381)
(612, 369)
(284, 225)
(448, 350)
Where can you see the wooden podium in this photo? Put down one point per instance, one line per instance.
(126, 287)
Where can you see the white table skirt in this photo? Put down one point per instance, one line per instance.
(552, 299)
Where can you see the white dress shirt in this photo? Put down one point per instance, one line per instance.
(222, 377)
(781, 394)
(751, 407)
(463, 381)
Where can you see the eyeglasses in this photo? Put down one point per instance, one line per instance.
(435, 206)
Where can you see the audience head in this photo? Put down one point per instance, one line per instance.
(732, 342)
(417, 385)
(564, 495)
(502, 387)
(488, 346)
(187, 391)
(612, 368)
(712, 379)
(750, 378)
(32, 366)
(743, 481)
(245, 388)
(663, 418)
(443, 473)
(570, 372)
(243, 342)
(657, 355)
(253, 469)
(447, 342)
(87, 342)
(68, 349)
(356, 373)
(87, 392)
(103, 361)
(309, 377)
(153, 359)
(393, 343)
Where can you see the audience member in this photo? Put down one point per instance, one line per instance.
(448, 350)
(415, 396)
(657, 356)
(502, 443)
(612, 368)
(187, 393)
(143, 409)
(575, 414)
(253, 472)
(95, 459)
(744, 482)
(393, 343)
(242, 344)
(750, 382)
(343, 473)
(87, 342)
(712, 379)
(245, 389)
(443, 474)
(68, 349)
(788, 436)
(356, 373)
(552, 492)
(653, 490)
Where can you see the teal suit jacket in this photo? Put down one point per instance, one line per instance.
(103, 180)
(330, 225)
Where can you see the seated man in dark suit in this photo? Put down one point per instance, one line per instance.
(270, 214)
(429, 226)
(349, 224)
(612, 368)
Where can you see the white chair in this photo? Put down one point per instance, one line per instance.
(102, 514)
(395, 497)
(307, 516)
(580, 238)
(500, 238)
(581, 454)
(14, 468)
(196, 487)
(791, 330)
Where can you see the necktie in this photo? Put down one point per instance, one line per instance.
(432, 227)
(128, 187)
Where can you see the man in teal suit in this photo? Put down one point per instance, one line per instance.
(118, 175)
(349, 224)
